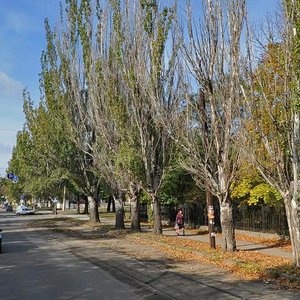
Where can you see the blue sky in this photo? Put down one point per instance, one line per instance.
(22, 38)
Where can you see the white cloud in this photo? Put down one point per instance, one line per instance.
(9, 87)
(5, 156)
(5, 149)
(18, 21)
(11, 116)
(7, 142)
(11, 102)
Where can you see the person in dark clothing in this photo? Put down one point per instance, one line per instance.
(179, 222)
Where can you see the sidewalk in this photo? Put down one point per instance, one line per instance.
(272, 250)
(241, 245)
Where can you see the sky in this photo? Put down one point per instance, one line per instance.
(22, 39)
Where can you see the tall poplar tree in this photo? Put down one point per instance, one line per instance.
(206, 121)
(148, 72)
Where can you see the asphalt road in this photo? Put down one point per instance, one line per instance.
(34, 264)
(38, 264)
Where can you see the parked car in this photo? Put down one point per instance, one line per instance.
(23, 210)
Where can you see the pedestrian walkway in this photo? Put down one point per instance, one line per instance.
(272, 250)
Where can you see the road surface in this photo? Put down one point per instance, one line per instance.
(37, 265)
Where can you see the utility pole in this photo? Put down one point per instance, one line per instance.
(211, 220)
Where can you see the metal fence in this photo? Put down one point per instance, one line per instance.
(260, 218)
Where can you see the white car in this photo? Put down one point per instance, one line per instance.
(23, 210)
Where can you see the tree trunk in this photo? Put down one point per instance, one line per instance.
(113, 202)
(119, 211)
(64, 198)
(54, 208)
(94, 213)
(78, 203)
(109, 204)
(292, 214)
(135, 207)
(228, 236)
(86, 205)
(157, 225)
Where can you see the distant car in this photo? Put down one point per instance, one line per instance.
(23, 210)
(8, 208)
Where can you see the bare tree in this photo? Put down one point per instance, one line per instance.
(114, 127)
(207, 118)
(272, 129)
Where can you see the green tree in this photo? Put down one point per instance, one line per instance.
(272, 134)
(3, 188)
(178, 187)
(250, 188)
(148, 74)
(70, 102)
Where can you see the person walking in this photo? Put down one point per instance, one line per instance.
(179, 222)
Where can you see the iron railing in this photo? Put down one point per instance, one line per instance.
(262, 218)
